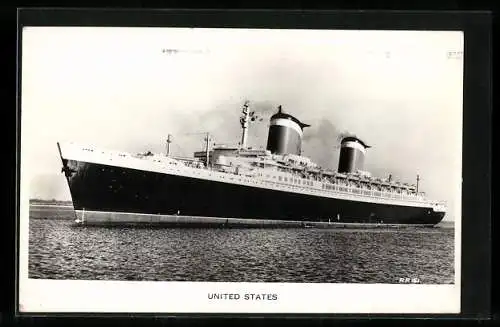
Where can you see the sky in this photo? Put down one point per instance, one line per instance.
(128, 88)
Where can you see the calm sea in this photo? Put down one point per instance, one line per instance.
(59, 250)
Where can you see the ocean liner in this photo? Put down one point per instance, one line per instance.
(240, 186)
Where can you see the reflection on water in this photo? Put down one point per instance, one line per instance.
(59, 250)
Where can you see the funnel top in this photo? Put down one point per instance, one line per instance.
(281, 115)
(354, 139)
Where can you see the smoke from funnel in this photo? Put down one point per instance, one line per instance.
(263, 107)
(223, 124)
(321, 141)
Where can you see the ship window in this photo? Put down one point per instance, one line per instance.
(279, 178)
(286, 179)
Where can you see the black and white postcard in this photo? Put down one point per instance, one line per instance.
(237, 170)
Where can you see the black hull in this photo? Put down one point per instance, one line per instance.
(104, 188)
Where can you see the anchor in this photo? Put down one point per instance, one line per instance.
(68, 172)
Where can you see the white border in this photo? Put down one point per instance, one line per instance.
(185, 297)
(170, 297)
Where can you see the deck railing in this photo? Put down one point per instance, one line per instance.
(334, 188)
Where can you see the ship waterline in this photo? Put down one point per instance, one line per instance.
(111, 218)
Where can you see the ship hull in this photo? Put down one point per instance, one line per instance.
(108, 194)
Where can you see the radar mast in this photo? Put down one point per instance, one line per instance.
(246, 118)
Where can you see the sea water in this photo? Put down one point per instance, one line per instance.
(60, 250)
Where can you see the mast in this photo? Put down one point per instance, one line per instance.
(246, 118)
(169, 140)
(207, 144)
(418, 179)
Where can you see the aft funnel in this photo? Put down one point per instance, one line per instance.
(352, 155)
